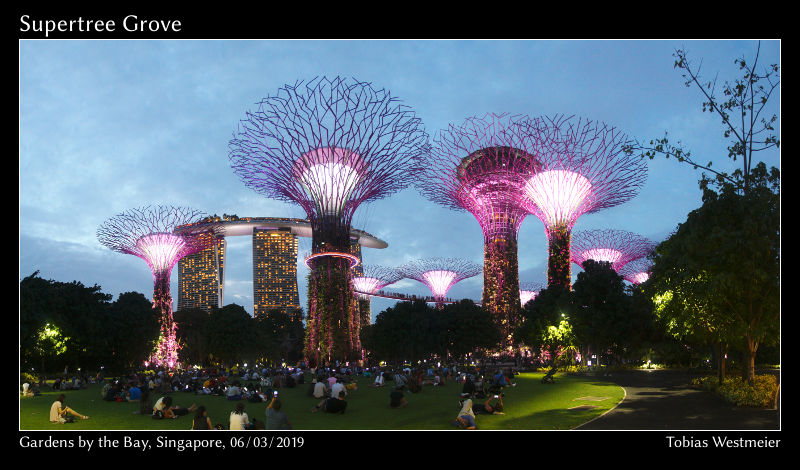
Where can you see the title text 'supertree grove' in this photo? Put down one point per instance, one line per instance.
(439, 274)
(329, 145)
(482, 166)
(584, 169)
(617, 247)
(150, 234)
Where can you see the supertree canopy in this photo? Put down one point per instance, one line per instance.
(584, 170)
(375, 278)
(439, 274)
(637, 271)
(329, 146)
(150, 233)
(528, 291)
(483, 166)
(616, 247)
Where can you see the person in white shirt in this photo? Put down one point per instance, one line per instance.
(239, 419)
(58, 411)
(338, 387)
(319, 389)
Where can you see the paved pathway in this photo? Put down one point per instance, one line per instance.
(662, 399)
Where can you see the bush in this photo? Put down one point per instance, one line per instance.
(27, 377)
(760, 395)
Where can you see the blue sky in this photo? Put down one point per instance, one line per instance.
(106, 126)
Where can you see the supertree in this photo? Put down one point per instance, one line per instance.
(439, 274)
(150, 233)
(329, 146)
(372, 279)
(584, 170)
(375, 278)
(482, 166)
(528, 291)
(616, 247)
(637, 271)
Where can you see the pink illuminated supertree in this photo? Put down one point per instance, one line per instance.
(329, 146)
(150, 233)
(482, 166)
(637, 271)
(584, 169)
(616, 247)
(439, 274)
(375, 278)
(368, 281)
(528, 291)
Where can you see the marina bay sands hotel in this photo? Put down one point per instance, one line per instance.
(201, 277)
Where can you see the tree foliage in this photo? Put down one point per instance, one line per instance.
(718, 276)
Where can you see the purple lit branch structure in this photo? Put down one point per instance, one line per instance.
(482, 166)
(149, 233)
(616, 247)
(439, 274)
(637, 271)
(375, 278)
(584, 170)
(329, 146)
(528, 291)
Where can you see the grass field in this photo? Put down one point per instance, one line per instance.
(529, 405)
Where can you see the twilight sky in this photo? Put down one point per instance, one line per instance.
(106, 126)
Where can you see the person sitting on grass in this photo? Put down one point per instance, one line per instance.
(201, 421)
(378, 380)
(239, 419)
(486, 409)
(332, 405)
(337, 388)
(164, 409)
(320, 391)
(59, 412)
(397, 399)
(134, 393)
(234, 393)
(276, 419)
(465, 418)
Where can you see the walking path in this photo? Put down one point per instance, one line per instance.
(662, 399)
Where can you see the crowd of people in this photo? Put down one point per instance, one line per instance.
(330, 386)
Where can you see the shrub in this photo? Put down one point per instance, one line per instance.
(27, 377)
(733, 389)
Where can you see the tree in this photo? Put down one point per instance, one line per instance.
(600, 316)
(542, 328)
(742, 109)
(280, 336)
(193, 335)
(723, 263)
(231, 334)
(469, 328)
(134, 329)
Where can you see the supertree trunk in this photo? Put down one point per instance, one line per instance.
(333, 325)
(501, 285)
(558, 263)
(166, 352)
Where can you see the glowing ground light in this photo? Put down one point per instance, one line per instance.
(560, 196)
(439, 281)
(602, 254)
(161, 250)
(330, 175)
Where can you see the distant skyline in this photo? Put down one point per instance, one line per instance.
(106, 126)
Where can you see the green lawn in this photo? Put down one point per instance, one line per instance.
(529, 405)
